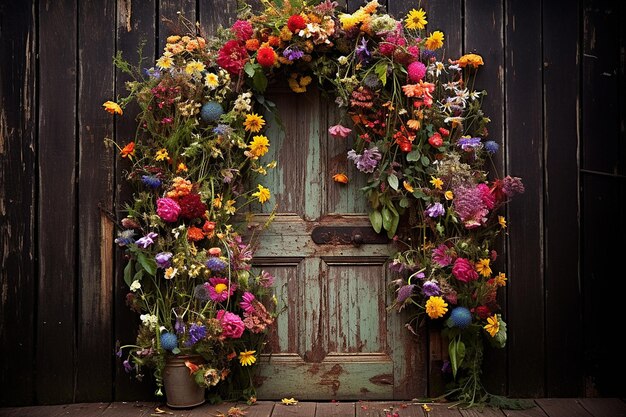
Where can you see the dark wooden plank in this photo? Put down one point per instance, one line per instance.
(524, 153)
(604, 407)
(32, 411)
(135, 23)
(81, 410)
(169, 21)
(484, 35)
(530, 412)
(440, 410)
(562, 407)
(446, 16)
(17, 201)
(131, 409)
(56, 306)
(259, 409)
(603, 190)
(564, 373)
(383, 409)
(302, 409)
(215, 13)
(484, 412)
(336, 409)
(95, 181)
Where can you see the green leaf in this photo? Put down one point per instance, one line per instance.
(456, 350)
(381, 71)
(259, 81)
(393, 181)
(387, 218)
(413, 156)
(425, 160)
(148, 264)
(249, 68)
(128, 270)
(138, 275)
(394, 226)
(176, 351)
(404, 203)
(377, 220)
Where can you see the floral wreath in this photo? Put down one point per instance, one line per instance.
(418, 134)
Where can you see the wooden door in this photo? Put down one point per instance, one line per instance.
(334, 338)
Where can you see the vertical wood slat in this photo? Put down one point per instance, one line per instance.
(135, 23)
(56, 304)
(602, 218)
(95, 182)
(215, 13)
(446, 16)
(17, 202)
(169, 22)
(561, 136)
(483, 34)
(524, 156)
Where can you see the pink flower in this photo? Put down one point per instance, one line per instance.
(414, 50)
(232, 325)
(242, 29)
(464, 270)
(416, 71)
(488, 198)
(246, 302)
(266, 280)
(441, 255)
(220, 289)
(168, 209)
(232, 57)
(339, 131)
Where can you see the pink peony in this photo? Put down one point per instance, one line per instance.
(416, 71)
(232, 325)
(339, 131)
(242, 29)
(464, 270)
(168, 209)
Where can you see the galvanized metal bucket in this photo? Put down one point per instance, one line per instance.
(181, 391)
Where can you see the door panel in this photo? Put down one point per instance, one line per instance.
(334, 338)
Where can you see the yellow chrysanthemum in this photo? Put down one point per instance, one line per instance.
(408, 186)
(436, 307)
(229, 207)
(263, 194)
(161, 154)
(435, 40)
(211, 80)
(348, 21)
(247, 357)
(493, 325)
(502, 222)
(416, 19)
(483, 268)
(500, 279)
(165, 61)
(436, 182)
(472, 60)
(254, 123)
(449, 195)
(112, 107)
(194, 67)
(259, 146)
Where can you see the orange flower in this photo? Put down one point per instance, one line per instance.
(112, 107)
(128, 150)
(192, 367)
(273, 41)
(252, 44)
(342, 178)
(194, 234)
(473, 60)
(182, 168)
(181, 187)
(209, 228)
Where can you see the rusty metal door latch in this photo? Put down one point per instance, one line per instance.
(347, 235)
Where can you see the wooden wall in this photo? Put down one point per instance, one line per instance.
(555, 77)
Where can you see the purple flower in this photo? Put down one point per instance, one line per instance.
(179, 326)
(119, 353)
(163, 259)
(151, 181)
(292, 53)
(430, 289)
(397, 266)
(512, 186)
(152, 72)
(201, 292)
(446, 368)
(404, 293)
(366, 162)
(469, 205)
(435, 210)
(491, 147)
(222, 130)
(215, 264)
(147, 240)
(469, 144)
(197, 332)
(127, 366)
(362, 52)
(125, 237)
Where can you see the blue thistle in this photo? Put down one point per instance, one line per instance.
(151, 181)
(169, 341)
(211, 111)
(461, 317)
(491, 147)
(215, 264)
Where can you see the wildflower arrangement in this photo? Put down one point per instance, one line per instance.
(417, 131)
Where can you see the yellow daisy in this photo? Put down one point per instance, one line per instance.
(500, 279)
(112, 107)
(449, 195)
(259, 146)
(436, 182)
(435, 40)
(247, 357)
(161, 154)
(483, 268)
(263, 194)
(254, 122)
(211, 80)
(416, 19)
(436, 307)
(502, 222)
(194, 67)
(408, 186)
(493, 325)
(165, 61)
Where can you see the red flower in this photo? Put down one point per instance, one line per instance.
(191, 206)
(296, 23)
(435, 140)
(266, 56)
(194, 234)
(232, 57)
(483, 312)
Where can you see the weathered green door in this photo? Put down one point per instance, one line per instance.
(334, 338)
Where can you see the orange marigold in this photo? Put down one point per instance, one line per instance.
(194, 234)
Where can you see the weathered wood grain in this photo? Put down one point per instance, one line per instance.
(215, 13)
(57, 211)
(524, 156)
(176, 17)
(562, 407)
(18, 181)
(604, 407)
(335, 409)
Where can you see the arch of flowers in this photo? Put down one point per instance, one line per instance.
(418, 134)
